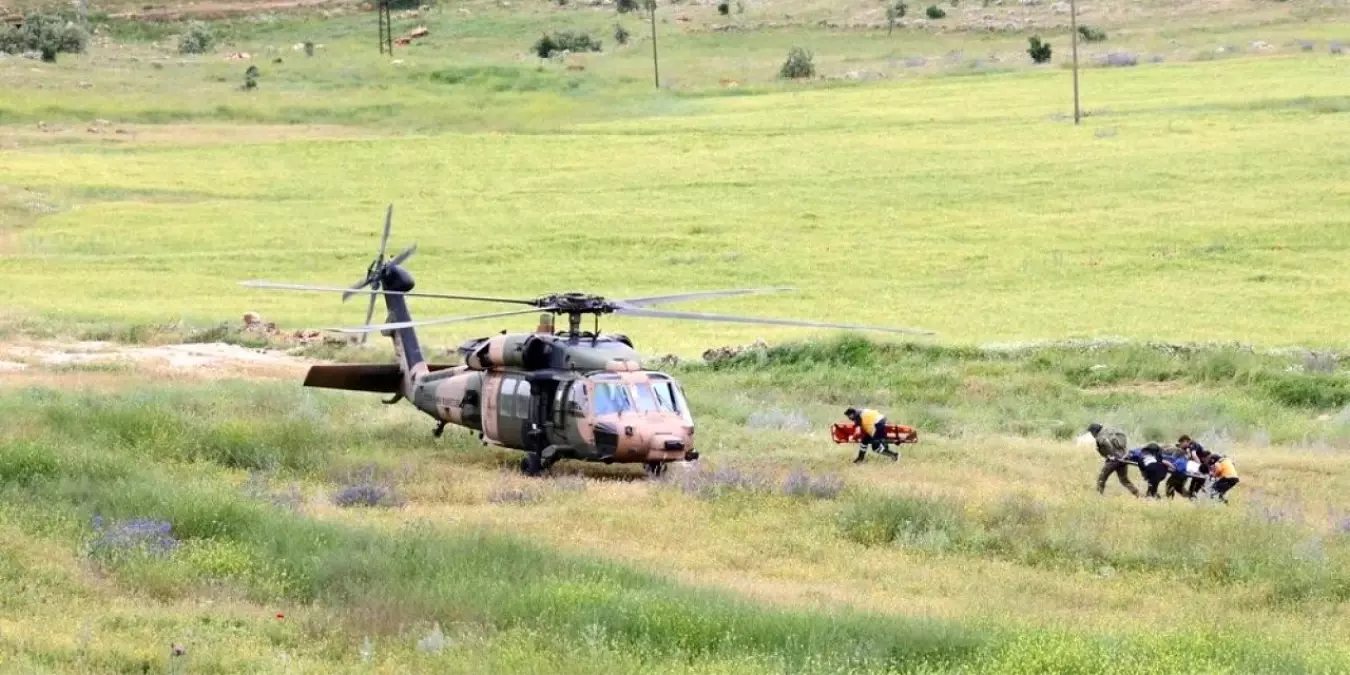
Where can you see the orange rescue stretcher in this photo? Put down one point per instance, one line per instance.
(895, 433)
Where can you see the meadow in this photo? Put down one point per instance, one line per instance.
(1173, 264)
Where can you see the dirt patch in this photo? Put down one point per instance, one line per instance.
(29, 361)
(219, 10)
(1144, 388)
(111, 132)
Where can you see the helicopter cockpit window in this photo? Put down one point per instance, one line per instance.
(646, 399)
(671, 399)
(611, 398)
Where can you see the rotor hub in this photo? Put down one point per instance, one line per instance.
(575, 303)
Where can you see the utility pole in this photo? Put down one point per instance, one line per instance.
(1073, 29)
(656, 70)
(386, 26)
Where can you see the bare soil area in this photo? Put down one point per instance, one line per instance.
(25, 362)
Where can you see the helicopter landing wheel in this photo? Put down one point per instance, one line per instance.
(655, 469)
(531, 464)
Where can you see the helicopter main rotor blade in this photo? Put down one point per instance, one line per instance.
(650, 300)
(416, 294)
(432, 322)
(698, 316)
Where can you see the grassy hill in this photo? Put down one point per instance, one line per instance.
(931, 177)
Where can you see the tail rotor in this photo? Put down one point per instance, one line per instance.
(375, 273)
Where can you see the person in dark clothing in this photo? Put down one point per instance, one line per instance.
(1184, 462)
(1111, 446)
(1151, 465)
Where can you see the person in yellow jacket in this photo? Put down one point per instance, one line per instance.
(1224, 474)
(873, 425)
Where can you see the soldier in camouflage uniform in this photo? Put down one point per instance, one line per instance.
(1111, 446)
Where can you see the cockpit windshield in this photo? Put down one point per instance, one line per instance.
(661, 395)
(611, 398)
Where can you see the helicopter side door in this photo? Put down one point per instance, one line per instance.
(513, 410)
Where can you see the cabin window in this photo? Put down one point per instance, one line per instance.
(576, 399)
(523, 400)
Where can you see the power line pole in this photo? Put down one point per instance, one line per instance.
(656, 70)
(386, 27)
(1073, 28)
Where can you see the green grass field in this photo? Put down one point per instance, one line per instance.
(930, 178)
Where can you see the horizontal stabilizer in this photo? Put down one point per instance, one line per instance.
(383, 378)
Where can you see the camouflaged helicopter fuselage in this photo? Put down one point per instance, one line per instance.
(507, 403)
(636, 435)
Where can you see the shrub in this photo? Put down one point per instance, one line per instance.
(364, 490)
(779, 419)
(935, 12)
(1039, 51)
(565, 41)
(1316, 391)
(251, 77)
(803, 484)
(46, 33)
(1091, 34)
(197, 40)
(620, 34)
(905, 519)
(1120, 59)
(798, 64)
(723, 8)
(625, 6)
(705, 484)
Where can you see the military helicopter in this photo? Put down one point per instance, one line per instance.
(553, 394)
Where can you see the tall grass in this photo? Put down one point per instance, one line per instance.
(1155, 391)
(175, 526)
(1218, 547)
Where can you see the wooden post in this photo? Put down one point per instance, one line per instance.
(656, 70)
(1073, 28)
(386, 26)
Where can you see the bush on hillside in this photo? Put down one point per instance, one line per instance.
(625, 6)
(197, 40)
(935, 12)
(620, 34)
(723, 8)
(44, 32)
(1119, 59)
(1091, 34)
(798, 64)
(1039, 51)
(565, 41)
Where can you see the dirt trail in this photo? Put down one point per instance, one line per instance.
(26, 362)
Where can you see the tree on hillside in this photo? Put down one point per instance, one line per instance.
(894, 11)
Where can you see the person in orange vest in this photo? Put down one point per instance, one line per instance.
(873, 425)
(1225, 476)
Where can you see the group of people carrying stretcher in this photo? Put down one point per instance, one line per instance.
(1187, 459)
